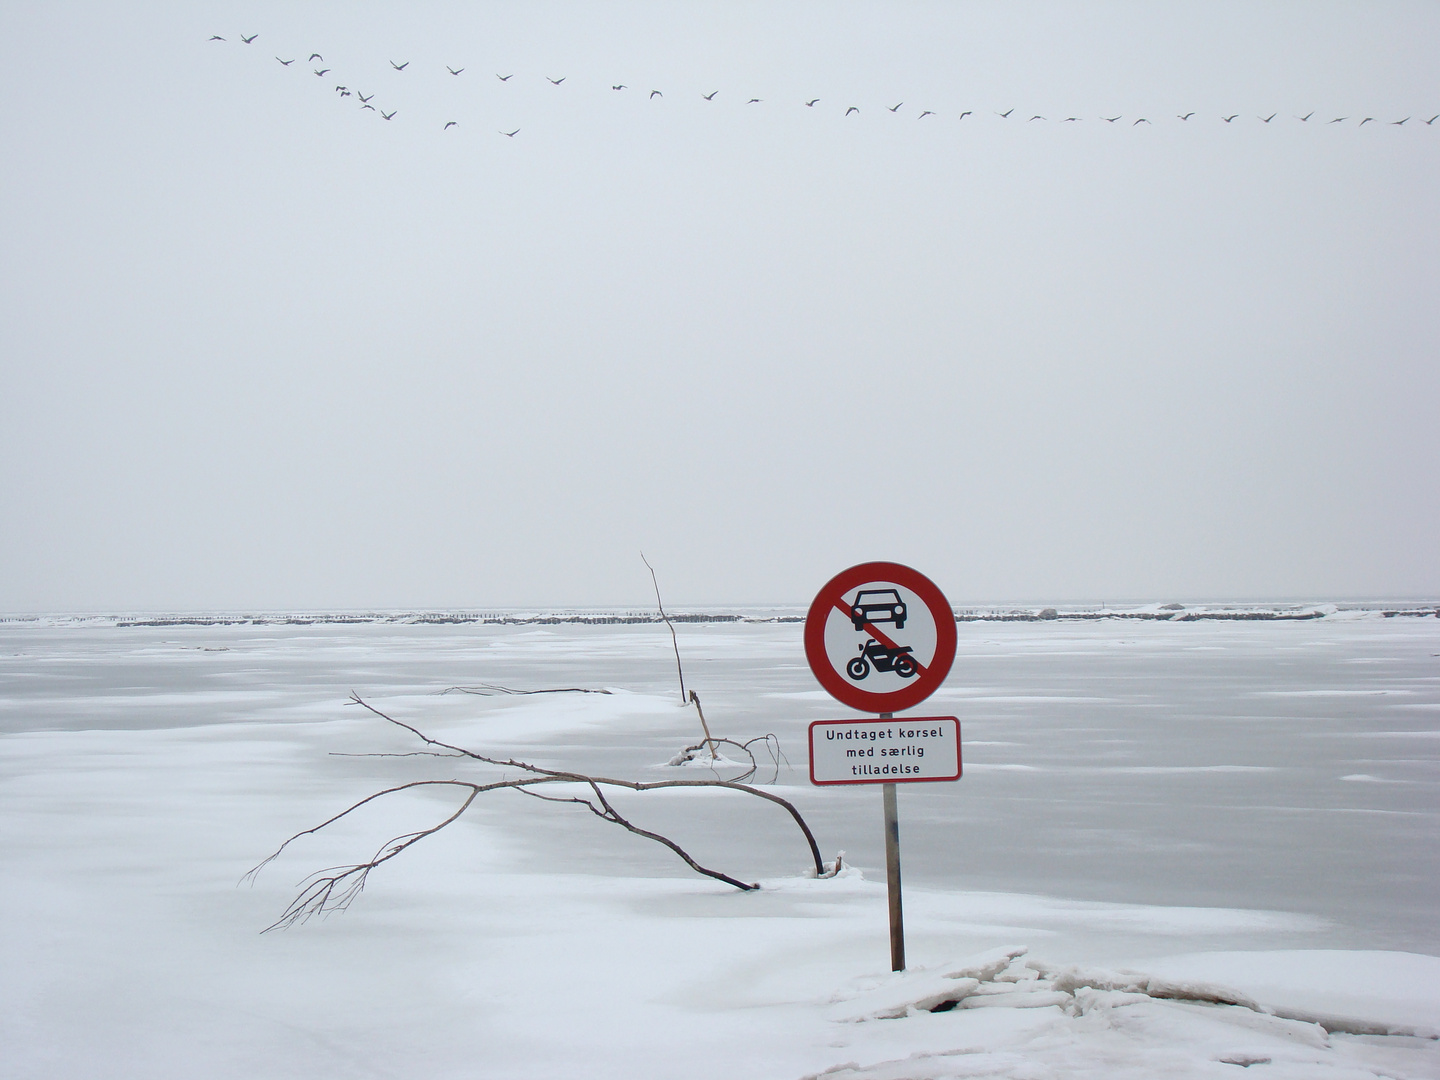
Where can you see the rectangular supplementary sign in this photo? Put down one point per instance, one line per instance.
(885, 751)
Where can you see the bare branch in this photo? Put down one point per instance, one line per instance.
(673, 639)
(336, 887)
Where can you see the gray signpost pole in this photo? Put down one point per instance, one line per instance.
(892, 873)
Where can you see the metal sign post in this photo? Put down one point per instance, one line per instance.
(845, 647)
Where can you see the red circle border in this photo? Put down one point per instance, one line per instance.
(865, 700)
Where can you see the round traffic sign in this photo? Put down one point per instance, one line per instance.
(880, 637)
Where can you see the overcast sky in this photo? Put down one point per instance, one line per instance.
(262, 348)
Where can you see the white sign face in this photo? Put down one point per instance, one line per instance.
(885, 751)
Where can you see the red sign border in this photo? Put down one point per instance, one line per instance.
(926, 682)
(959, 763)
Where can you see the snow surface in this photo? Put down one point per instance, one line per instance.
(1158, 864)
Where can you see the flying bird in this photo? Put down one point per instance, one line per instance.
(453, 71)
(287, 63)
(399, 67)
(811, 103)
(1266, 119)
(362, 97)
(344, 93)
(216, 37)
(1142, 120)
(1070, 119)
(924, 114)
(1229, 118)
(1432, 119)
(893, 108)
(339, 88)
(1398, 123)
(510, 134)
(967, 112)
(1366, 121)
(323, 72)
(315, 56)
(622, 86)
(1110, 119)
(389, 115)
(1307, 116)
(753, 101)
(370, 107)
(1006, 113)
(505, 78)
(554, 82)
(1185, 117)
(1037, 116)
(1339, 119)
(852, 108)
(654, 94)
(248, 40)
(448, 125)
(710, 96)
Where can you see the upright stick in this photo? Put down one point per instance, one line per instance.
(892, 874)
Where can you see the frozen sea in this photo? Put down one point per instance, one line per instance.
(1255, 803)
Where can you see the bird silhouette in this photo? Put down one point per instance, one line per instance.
(390, 115)
(893, 108)
(622, 86)
(924, 114)
(654, 94)
(1399, 123)
(1432, 119)
(216, 37)
(852, 108)
(1110, 119)
(1070, 119)
(315, 56)
(554, 82)
(1306, 117)
(1366, 121)
(248, 40)
(323, 72)
(287, 63)
(1006, 113)
(448, 125)
(399, 67)
(362, 97)
(505, 78)
(1339, 119)
(1142, 120)
(1185, 117)
(1267, 119)
(967, 112)
(453, 71)
(370, 107)
(710, 96)
(339, 88)
(510, 134)
(1229, 118)
(753, 101)
(811, 103)
(1037, 116)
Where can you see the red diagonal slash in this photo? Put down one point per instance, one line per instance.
(871, 629)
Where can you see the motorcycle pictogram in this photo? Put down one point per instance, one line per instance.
(897, 660)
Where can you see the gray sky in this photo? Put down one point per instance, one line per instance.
(261, 348)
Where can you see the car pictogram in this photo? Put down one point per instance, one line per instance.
(877, 606)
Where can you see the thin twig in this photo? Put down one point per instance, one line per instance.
(673, 639)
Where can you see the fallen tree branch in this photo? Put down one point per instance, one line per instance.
(335, 888)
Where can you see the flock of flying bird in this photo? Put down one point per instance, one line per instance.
(853, 110)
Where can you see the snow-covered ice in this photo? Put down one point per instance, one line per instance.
(1180, 849)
